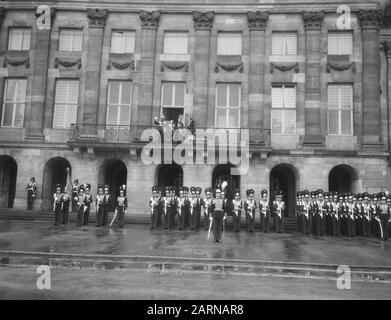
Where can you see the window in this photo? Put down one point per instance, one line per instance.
(173, 94)
(119, 103)
(19, 39)
(229, 43)
(122, 41)
(340, 43)
(284, 43)
(283, 113)
(70, 40)
(14, 103)
(65, 104)
(227, 105)
(340, 109)
(175, 42)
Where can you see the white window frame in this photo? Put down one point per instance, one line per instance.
(119, 105)
(225, 33)
(14, 102)
(284, 35)
(339, 109)
(73, 31)
(283, 109)
(67, 104)
(228, 107)
(22, 47)
(181, 35)
(173, 106)
(339, 33)
(123, 46)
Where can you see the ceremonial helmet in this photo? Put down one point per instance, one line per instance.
(366, 196)
(32, 179)
(237, 193)
(218, 189)
(382, 196)
(58, 186)
(249, 192)
(326, 195)
(81, 188)
(100, 187)
(106, 187)
(374, 197)
(181, 190)
(264, 193)
(192, 190)
(198, 190)
(88, 186)
(154, 189)
(388, 198)
(208, 190)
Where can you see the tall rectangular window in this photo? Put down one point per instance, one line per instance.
(340, 43)
(229, 43)
(70, 40)
(65, 104)
(19, 39)
(283, 113)
(173, 94)
(175, 42)
(228, 102)
(119, 103)
(340, 109)
(284, 43)
(14, 103)
(122, 41)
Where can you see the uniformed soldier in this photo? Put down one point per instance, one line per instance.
(374, 210)
(306, 213)
(174, 207)
(327, 220)
(278, 211)
(197, 209)
(107, 203)
(167, 207)
(299, 211)
(366, 212)
(57, 205)
(181, 203)
(89, 200)
(192, 204)
(359, 216)
(99, 205)
(383, 216)
(120, 207)
(65, 204)
(207, 204)
(336, 207)
(264, 211)
(250, 206)
(81, 206)
(75, 193)
(31, 193)
(218, 215)
(351, 213)
(237, 206)
(154, 208)
(320, 212)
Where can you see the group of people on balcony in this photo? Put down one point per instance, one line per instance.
(176, 129)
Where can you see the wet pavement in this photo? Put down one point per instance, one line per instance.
(138, 240)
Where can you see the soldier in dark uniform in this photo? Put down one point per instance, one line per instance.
(181, 203)
(89, 200)
(374, 209)
(120, 207)
(250, 206)
(366, 212)
(327, 218)
(107, 201)
(335, 209)
(237, 206)
(81, 206)
(154, 207)
(358, 217)
(383, 216)
(65, 203)
(278, 211)
(351, 213)
(75, 193)
(167, 204)
(57, 206)
(198, 205)
(306, 213)
(192, 206)
(299, 211)
(320, 213)
(218, 215)
(99, 206)
(264, 210)
(207, 204)
(31, 193)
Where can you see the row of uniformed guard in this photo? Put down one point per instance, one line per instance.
(345, 214)
(188, 209)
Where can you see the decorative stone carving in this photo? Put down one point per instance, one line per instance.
(97, 18)
(17, 58)
(149, 19)
(67, 62)
(370, 18)
(121, 61)
(229, 67)
(203, 20)
(313, 19)
(284, 67)
(174, 65)
(340, 66)
(257, 20)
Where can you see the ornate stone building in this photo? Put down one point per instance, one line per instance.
(314, 96)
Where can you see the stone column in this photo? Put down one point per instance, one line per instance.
(313, 121)
(257, 23)
(97, 21)
(149, 24)
(370, 23)
(34, 127)
(203, 114)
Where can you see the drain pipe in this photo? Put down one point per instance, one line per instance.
(386, 51)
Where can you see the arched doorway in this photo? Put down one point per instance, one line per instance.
(8, 171)
(342, 178)
(221, 173)
(55, 172)
(283, 178)
(114, 173)
(170, 175)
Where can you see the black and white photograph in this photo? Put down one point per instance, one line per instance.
(195, 154)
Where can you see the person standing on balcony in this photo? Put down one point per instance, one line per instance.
(31, 193)
(191, 126)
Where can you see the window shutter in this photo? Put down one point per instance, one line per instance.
(229, 44)
(340, 43)
(175, 43)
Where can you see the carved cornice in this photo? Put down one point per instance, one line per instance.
(149, 19)
(340, 66)
(17, 59)
(203, 20)
(97, 18)
(67, 62)
(174, 65)
(120, 65)
(257, 20)
(313, 19)
(284, 67)
(370, 18)
(229, 67)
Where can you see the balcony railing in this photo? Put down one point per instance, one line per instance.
(131, 134)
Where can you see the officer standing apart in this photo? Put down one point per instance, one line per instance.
(31, 193)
